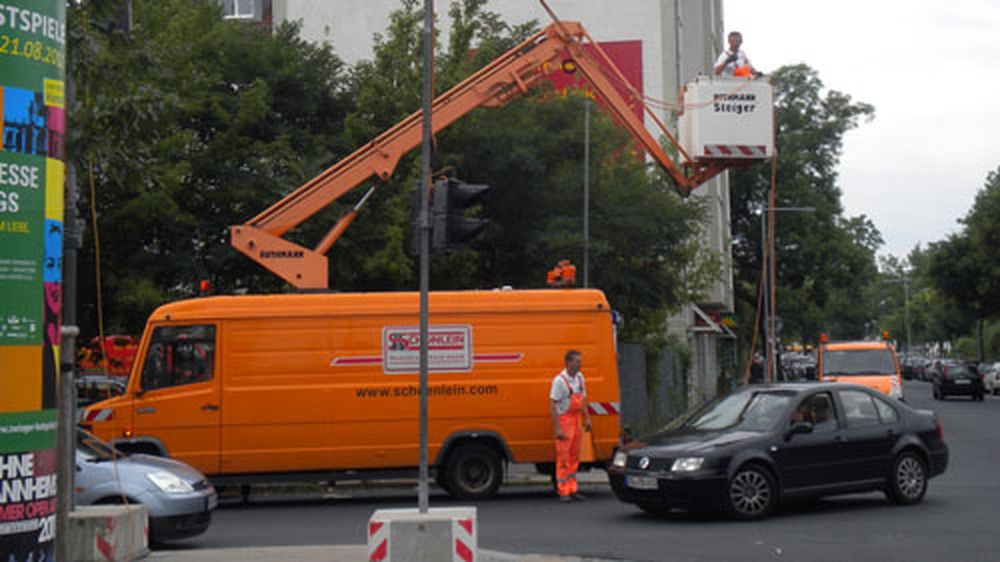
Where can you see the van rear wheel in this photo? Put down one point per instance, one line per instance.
(473, 472)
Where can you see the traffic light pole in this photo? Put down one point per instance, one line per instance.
(425, 230)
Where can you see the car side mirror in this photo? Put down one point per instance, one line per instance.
(799, 427)
(139, 393)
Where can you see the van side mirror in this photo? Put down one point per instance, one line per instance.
(799, 427)
(139, 392)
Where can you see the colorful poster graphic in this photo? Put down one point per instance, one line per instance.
(32, 150)
(27, 485)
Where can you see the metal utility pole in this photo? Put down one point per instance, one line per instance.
(770, 304)
(765, 263)
(906, 310)
(425, 231)
(586, 193)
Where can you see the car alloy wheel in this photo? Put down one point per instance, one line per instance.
(909, 479)
(751, 493)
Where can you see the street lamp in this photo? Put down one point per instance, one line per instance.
(906, 303)
(767, 257)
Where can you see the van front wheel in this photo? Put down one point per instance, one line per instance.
(473, 472)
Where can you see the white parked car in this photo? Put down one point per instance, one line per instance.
(991, 377)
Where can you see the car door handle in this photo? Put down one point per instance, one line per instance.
(145, 410)
(210, 407)
(840, 439)
(891, 432)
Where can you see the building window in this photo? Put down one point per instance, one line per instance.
(237, 9)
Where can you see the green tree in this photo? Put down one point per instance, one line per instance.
(187, 125)
(191, 123)
(642, 245)
(965, 267)
(825, 260)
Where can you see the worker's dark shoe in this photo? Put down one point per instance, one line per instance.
(579, 496)
(565, 499)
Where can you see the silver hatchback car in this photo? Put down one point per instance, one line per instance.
(180, 499)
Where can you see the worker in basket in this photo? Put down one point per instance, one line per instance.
(733, 62)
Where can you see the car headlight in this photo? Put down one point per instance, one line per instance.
(619, 460)
(169, 483)
(687, 464)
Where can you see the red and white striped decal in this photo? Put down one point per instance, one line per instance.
(376, 360)
(378, 541)
(103, 539)
(604, 408)
(736, 150)
(104, 414)
(463, 533)
(497, 357)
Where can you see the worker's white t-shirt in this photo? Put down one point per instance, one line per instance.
(561, 390)
(741, 60)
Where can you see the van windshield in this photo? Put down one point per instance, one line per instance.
(848, 362)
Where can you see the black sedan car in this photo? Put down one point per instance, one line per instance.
(951, 378)
(745, 451)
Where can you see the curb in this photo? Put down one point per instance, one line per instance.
(338, 553)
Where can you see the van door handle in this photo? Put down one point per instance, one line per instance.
(145, 410)
(210, 407)
(840, 439)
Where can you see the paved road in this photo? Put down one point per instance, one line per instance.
(958, 520)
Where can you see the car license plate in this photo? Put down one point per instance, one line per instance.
(963, 381)
(212, 502)
(641, 482)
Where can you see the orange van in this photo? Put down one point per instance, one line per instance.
(869, 363)
(325, 386)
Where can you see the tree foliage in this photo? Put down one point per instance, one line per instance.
(191, 124)
(965, 267)
(825, 259)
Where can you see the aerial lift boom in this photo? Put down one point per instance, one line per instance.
(558, 46)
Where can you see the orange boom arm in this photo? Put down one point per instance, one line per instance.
(508, 76)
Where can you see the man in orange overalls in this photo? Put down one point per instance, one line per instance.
(568, 405)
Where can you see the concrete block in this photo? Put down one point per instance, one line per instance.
(441, 534)
(103, 533)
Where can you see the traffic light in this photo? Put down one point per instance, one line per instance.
(451, 225)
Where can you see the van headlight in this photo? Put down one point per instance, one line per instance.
(687, 464)
(169, 483)
(619, 460)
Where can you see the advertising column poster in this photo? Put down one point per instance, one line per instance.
(32, 170)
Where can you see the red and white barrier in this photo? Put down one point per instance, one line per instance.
(378, 541)
(441, 534)
(463, 534)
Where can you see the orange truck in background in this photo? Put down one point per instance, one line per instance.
(869, 363)
(325, 386)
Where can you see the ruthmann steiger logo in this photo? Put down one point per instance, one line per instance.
(281, 254)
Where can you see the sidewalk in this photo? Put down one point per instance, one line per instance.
(352, 553)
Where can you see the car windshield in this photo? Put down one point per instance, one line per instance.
(849, 362)
(93, 449)
(747, 410)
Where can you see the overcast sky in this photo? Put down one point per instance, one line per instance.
(932, 71)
